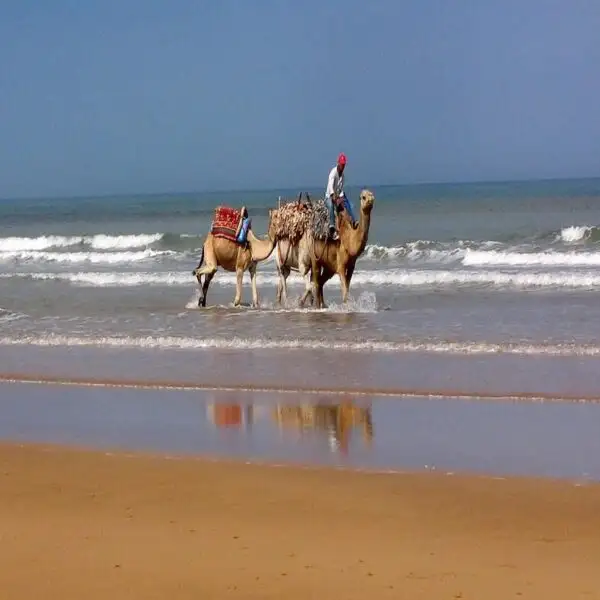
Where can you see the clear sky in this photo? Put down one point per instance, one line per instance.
(119, 96)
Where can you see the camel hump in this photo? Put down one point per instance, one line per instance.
(294, 218)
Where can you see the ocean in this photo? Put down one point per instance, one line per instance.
(457, 270)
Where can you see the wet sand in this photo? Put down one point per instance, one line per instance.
(82, 524)
(418, 373)
(462, 435)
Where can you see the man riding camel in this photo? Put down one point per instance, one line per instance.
(335, 194)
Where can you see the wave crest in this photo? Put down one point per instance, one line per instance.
(236, 343)
(81, 257)
(378, 278)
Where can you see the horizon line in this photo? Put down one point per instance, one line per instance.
(301, 188)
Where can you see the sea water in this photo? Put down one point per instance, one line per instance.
(457, 269)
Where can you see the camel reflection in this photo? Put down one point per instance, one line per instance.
(231, 415)
(337, 421)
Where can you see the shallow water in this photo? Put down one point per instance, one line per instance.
(454, 269)
(481, 436)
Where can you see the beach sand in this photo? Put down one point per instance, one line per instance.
(76, 523)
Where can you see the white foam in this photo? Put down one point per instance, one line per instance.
(420, 250)
(7, 315)
(575, 233)
(122, 242)
(366, 302)
(547, 259)
(82, 257)
(377, 278)
(19, 244)
(98, 242)
(189, 343)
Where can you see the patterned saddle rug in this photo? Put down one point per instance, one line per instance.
(227, 223)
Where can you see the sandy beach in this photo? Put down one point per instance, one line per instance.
(77, 523)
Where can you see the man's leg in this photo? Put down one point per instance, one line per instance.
(331, 216)
(348, 206)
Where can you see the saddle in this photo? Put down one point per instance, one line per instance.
(231, 224)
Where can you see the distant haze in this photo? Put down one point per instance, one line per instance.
(126, 96)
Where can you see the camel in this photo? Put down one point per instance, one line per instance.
(340, 256)
(292, 249)
(305, 228)
(233, 257)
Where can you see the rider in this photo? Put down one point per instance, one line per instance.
(335, 192)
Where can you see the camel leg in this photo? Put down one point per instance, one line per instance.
(324, 277)
(308, 285)
(238, 286)
(316, 276)
(207, 279)
(208, 269)
(279, 286)
(344, 284)
(209, 272)
(252, 270)
(210, 263)
(349, 273)
(284, 273)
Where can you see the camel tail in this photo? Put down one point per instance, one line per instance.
(201, 261)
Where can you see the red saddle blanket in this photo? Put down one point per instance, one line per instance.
(227, 223)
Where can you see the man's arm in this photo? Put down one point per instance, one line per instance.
(330, 193)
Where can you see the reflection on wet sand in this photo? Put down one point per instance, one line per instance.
(338, 421)
(231, 415)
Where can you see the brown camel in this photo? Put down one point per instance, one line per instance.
(340, 256)
(233, 257)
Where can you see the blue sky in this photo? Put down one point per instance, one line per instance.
(146, 96)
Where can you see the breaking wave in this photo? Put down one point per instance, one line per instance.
(382, 277)
(237, 343)
(8, 315)
(96, 242)
(525, 259)
(27, 256)
(56, 248)
(579, 233)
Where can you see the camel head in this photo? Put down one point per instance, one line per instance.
(367, 199)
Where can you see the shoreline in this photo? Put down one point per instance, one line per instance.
(230, 461)
(433, 393)
(492, 436)
(109, 526)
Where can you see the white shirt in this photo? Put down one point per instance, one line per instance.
(335, 184)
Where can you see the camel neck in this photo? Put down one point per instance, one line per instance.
(355, 240)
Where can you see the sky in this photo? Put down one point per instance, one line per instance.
(125, 96)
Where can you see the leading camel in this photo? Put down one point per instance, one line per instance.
(233, 257)
(340, 256)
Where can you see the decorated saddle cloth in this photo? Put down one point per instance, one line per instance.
(231, 224)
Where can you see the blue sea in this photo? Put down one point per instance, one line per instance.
(474, 270)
